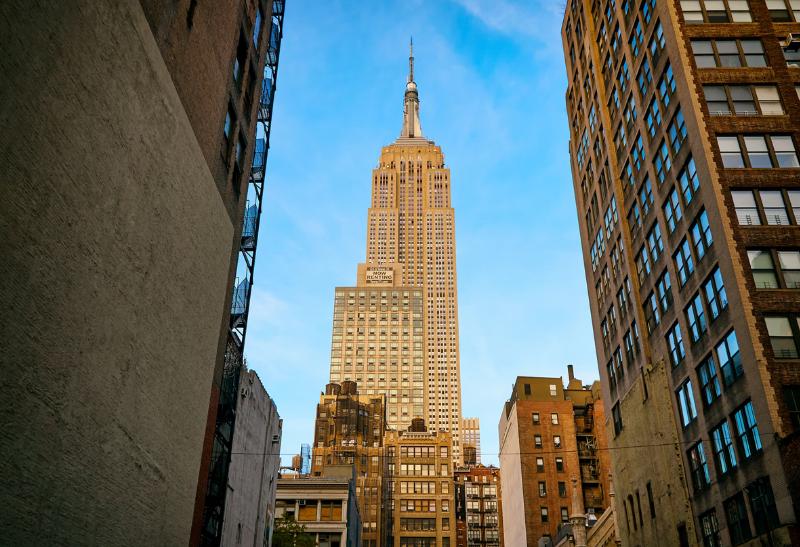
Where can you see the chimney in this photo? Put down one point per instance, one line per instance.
(571, 372)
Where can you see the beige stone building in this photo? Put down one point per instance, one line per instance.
(684, 124)
(421, 509)
(410, 252)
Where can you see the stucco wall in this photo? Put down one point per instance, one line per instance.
(253, 474)
(115, 250)
(512, 497)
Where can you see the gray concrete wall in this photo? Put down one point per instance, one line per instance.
(115, 249)
(253, 474)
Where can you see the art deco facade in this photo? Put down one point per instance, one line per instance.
(684, 120)
(479, 519)
(349, 430)
(550, 435)
(421, 509)
(411, 248)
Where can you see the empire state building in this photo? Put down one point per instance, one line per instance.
(396, 332)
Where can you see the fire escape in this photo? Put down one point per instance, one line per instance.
(214, 509)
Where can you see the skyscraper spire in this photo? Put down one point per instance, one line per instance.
(411, 60)
(411, 124)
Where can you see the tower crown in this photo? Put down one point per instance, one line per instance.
(411, 124)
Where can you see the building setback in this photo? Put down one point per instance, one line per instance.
(411, 250)
(479, 520)
(421, 509)
(349, 430)
(550, 435)
(684, 120)
(255, 462)
(129, 160)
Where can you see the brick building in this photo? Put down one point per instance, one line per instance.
(421, 509)
(349, 430)
(549, 435)
(684, 120)
(479, 519)
(129, 160)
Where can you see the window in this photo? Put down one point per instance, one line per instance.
(716, 297)
(746, 207)
(728, 53)
(709, 381)
(790, 268)
(715, 11)
(553, 390)
(683, 262)
(642, 263)
(686, 405)
(535, 418)
(645, 78)
(762, 151)
(564, 515)
(638, 153)
(557, 441)
(709, 529)
(762, 506)
(227, 133)
(539, 465)
(554, 419)
(543, 513)
(654, 242)
(763, 269)
(790, 52)
(617, 417)
(239, 62)
(562, 489)
(791, 396)
(662, 162)
(651, 312)
(742, 100)
(537, 441)
(730, 152)
(653, 118)
(677, 131)
(699, 467)
(724, 454)
(782, 10)
(675, 344)
(672, 209)
(559, 464)
(664, 291)
(774, 207)
(666, 85)
(542, 489)
(781, 336)
(696, 318)
(730, 362)
(747, 431)
(688, 180)
(701, 234)
(657, 42)
(736, 515)
(257, 26)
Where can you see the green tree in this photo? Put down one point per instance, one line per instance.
(289, 533)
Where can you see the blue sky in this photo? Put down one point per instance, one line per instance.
(492, 83)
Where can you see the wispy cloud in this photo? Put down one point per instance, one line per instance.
(515, 18)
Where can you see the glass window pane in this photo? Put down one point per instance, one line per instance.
(755, 143)
(761, 260)
(728, 144)
(789, 260)
(771, 198)
(778, 326)
(728, 47)
(743, 198)
(700, 47)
